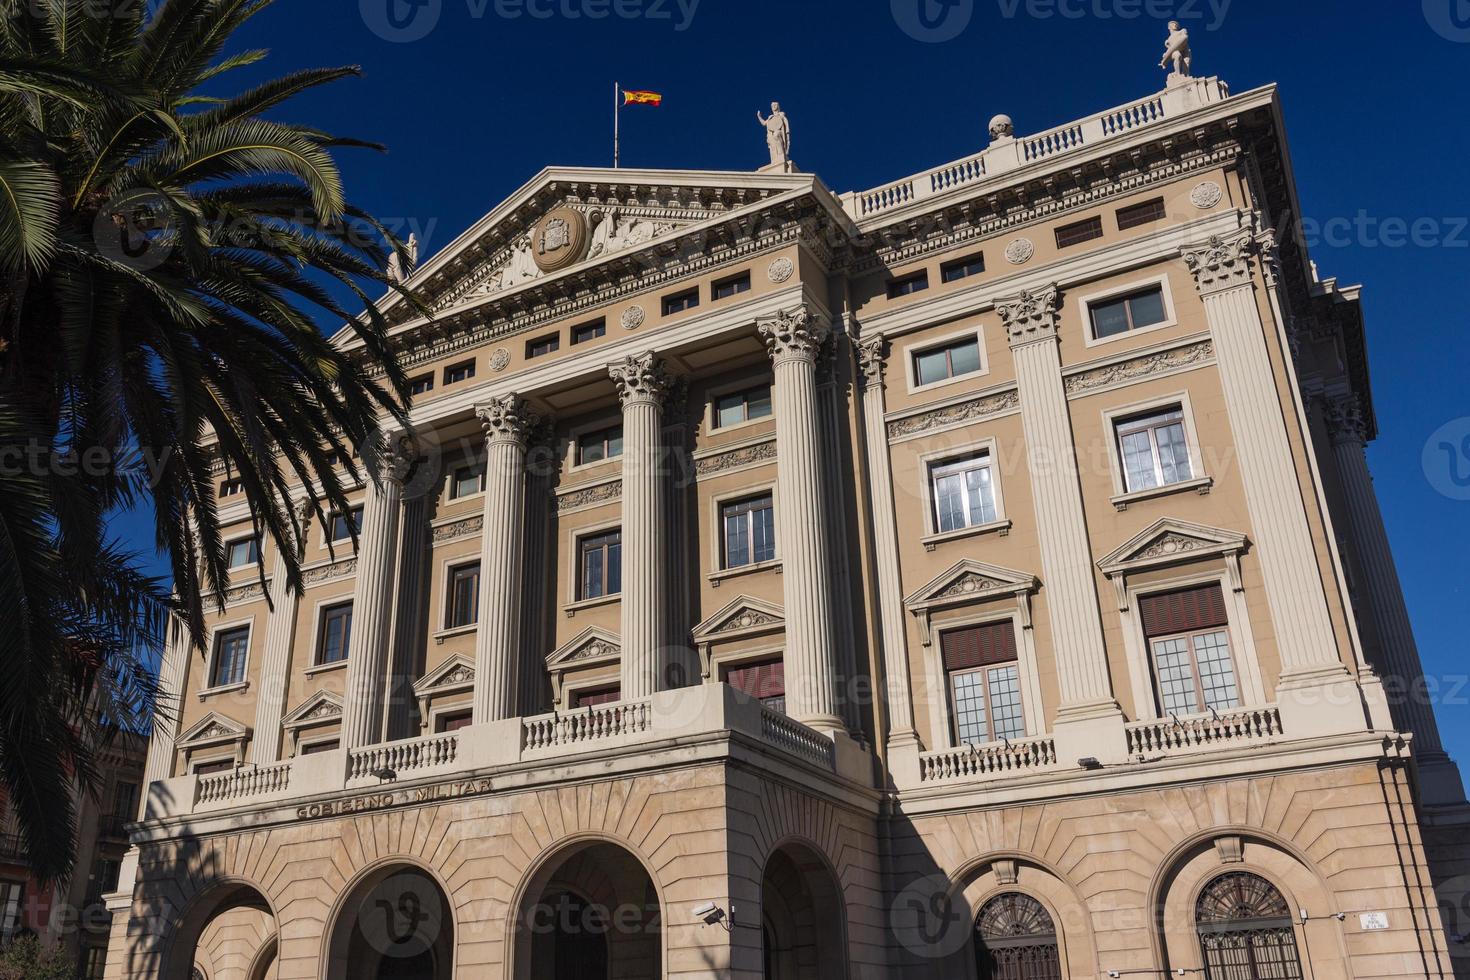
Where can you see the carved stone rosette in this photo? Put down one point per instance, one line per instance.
(872, 359)
(507, 419)
(641, 377)
(1032, 316)
(1223, 262)
(794, 335)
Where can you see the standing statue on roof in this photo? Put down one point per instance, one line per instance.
(1176, 50)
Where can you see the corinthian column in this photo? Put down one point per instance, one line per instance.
(275, 664)
(794, 339)
(643, 386)
(508, 423)
(1088, 714)
(1397, 654)
(372, 598)
(899, 696)
(1316, 692)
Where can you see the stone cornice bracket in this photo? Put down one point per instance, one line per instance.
(872, 359)
(641, 377)
(1223, 262)
(507, 419)
(1033, 316)
(1345, 420)
(794, 334)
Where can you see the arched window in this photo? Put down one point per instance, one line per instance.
(1015, 939)
(1245, 930)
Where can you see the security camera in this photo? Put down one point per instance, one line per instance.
(709, 913)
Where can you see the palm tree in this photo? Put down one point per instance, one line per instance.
(162, 255)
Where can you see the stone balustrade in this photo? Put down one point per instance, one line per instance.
(242, 783)
(585, 725)
(1166, 735)
(405, 757)
(798, 739)
(991, 760)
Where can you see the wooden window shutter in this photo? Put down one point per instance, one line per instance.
(767, 680)
(590, 699)
(979, 646)
(1183, 611)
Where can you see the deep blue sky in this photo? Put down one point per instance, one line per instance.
(1373, 94)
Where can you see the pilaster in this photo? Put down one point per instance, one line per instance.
(275, 663)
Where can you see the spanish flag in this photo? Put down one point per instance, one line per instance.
(643, 98)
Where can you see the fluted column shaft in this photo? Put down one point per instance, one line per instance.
(409, 629)
(643, 386)
(372, 603)
(1398, 653)
(1061, 525)
(161, 745)
(275, 664)
(507, 423)
(885, 547)
(794, 339)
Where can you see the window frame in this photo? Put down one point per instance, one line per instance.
(453, 570)
(536, 346)
(945, 722)
(327, 539)
(721, 516)
(985, 693)
(579, 335)
(216, 635)
(230, 487)
(1201, 708)
(453, 493)
(667, 301)
(602, 429)
(426, 379)
(919, 347)
(11, 915)
(1114, 293)
(941, 458)
(1162, 213)
(908, 284)
(323, 612)
(740, 281)
(961, 264)
(1094, 223)
(467, 366)
(742, 389)
(1199, 480)
(579, 548)
(254, 541)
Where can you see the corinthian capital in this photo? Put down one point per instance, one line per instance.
(871, 356)
(1032, 316)
(507, 419)
(1345, 419)
(1223, 262)
(794, 335)
(394, 459)
(641, 377)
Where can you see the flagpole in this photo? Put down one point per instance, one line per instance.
(617, 117)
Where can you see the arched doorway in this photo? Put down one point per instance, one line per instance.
(1245, 930)
(226, 926)
(803, 917)
(395, 924)
(591, 912)
(1016, 939)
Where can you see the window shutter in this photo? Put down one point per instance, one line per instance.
(591, 699)
(979, 646)
(761, 681)
(1183, 611)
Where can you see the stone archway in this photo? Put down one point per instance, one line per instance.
(220, 934)
(395, 923)
(803, 918)
(590, 912)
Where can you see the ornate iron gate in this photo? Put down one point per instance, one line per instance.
(1246, 931)
(1015, 939)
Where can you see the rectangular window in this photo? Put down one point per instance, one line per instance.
(316, 748)
(334, 634)
(94, 963)
(1082, 231)
(244, 552)
(125, 800)
(231, 648)
(1141, 214)
(1132, 312)
(217, 766)
(749, 531)
(454, 722)
(743, 406)
(345, 525)
(589, 331)
(596, 696)
(733, 286)
(463, 596)
(679, 302)
(455, 373)
(964, 493)
(541, 346)
(1189, 641)
(908, 285)
(951, 360)
(604, 444)
(600, 560)
(421, 385)
(765, 681)
(962, 268)
(468, 481)
(984, 683)
(105, 877)
(10, 898)
(1154, 450)
(231, 488)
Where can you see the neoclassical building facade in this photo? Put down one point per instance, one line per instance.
(978, 576)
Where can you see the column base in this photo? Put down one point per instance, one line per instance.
(1321, 701)
(828, 725)
(1440, 783)
(1090, 731)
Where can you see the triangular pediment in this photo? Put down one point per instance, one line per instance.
(569, 219)
(212, 728)
(1169, 541)
(456, 673)
(742, 616)
(319, 709)
(591, 646)
(970, 580)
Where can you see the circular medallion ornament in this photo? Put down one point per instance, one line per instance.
(1206, 195)
(1019, 252)
(500, 360)
(781, 270)
(633, 317)
(560, 240)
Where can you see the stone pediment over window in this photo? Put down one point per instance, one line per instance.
(321, 708)
(455, 674)
(741, 617)
(969, 582)
(1173, 542)
(591, 647)
(215, 731)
